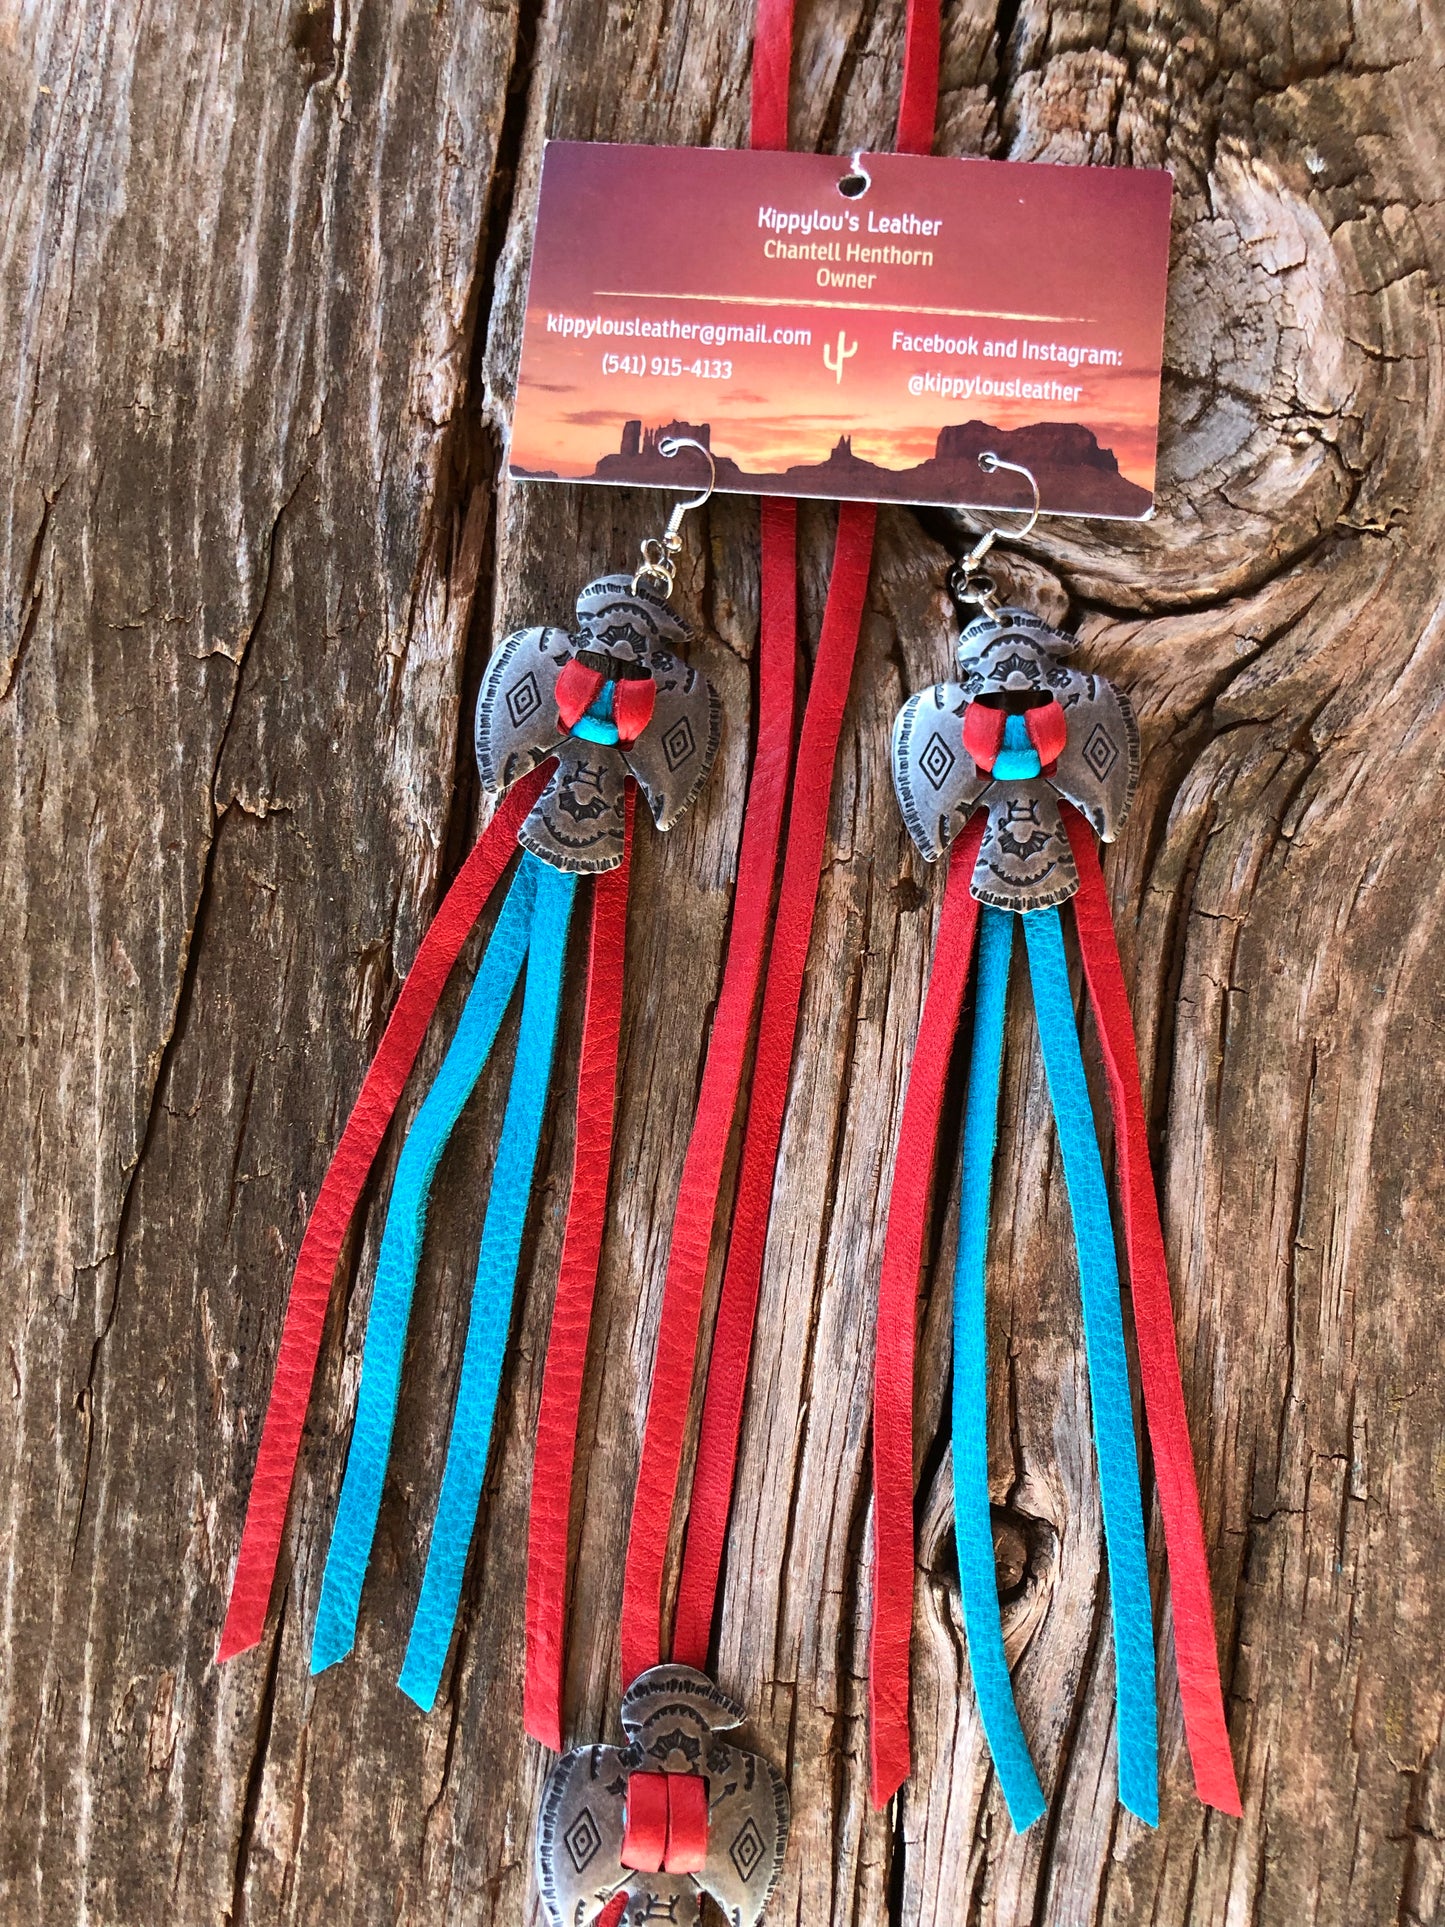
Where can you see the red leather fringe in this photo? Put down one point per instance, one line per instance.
(1194, 1635)
(336, 1201)
(556, 1441)
(677, 1343)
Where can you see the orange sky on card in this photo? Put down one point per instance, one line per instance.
(675, 233)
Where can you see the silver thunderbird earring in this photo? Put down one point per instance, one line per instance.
(569, 724)
(1015, 768)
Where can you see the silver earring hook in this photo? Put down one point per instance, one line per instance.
(659, 553)
(672, 445)
(966, 579)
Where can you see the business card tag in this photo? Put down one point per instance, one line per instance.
(848, 332)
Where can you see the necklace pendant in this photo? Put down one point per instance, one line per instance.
(674, 1814)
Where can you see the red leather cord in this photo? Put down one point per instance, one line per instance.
(331, 1215)
(612, 1913)
(893, 1554)
(918, 109)
(686, 1823)
(1194, 1635)
(644, 1838)
(772, 70)
(777, 1031)
(692, 1226)
(556, 1442)
(772, 67)
(677, 1342)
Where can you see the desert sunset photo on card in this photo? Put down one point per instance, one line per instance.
(867, 344)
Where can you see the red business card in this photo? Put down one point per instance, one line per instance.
(846, 329)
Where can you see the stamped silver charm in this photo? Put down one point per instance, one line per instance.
(1012, 660)
(626, 634)
(673, 1717)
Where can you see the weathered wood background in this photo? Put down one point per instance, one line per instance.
(260, 278)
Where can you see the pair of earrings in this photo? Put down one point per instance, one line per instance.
(1012, 771)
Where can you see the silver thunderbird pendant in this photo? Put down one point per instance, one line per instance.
(674, 1814)
(612, 700)
(949, 758)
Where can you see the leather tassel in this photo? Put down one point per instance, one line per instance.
(396, 1269)
(1195, 1647)
(496, 1279)
(335, 1206)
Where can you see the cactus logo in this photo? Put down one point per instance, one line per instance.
(837, 355)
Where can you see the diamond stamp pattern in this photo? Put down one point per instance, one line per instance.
(937, 761)
(582, 1840)
(524, 699)
(1100, 752)
(747, 1849)
(679, 743)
